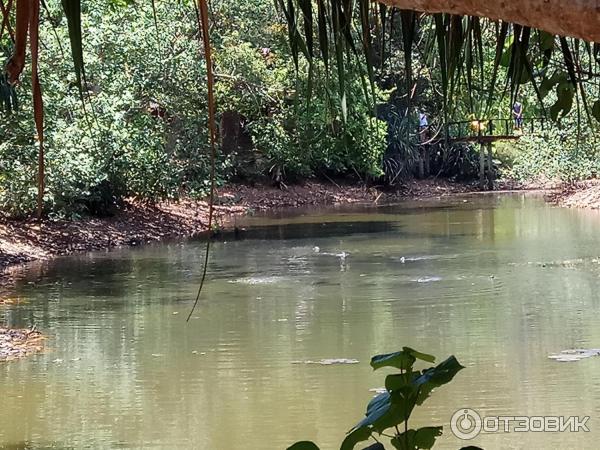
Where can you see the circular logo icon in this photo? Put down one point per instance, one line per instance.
(465, 424)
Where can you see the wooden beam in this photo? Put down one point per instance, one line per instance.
(482, 166)
(490, 167)
(484, 139)
(576, 18)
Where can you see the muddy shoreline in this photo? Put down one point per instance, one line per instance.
(582, 194)
(18, 343)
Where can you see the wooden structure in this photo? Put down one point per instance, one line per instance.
(485, 133)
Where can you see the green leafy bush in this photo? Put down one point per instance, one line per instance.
(558, 154)
(403, 392)
(143, 132)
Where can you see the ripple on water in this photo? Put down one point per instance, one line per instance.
(427, 279)
(404, 259)
(259, 280)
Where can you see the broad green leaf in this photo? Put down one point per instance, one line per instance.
(565, 92)
(546, 40)
(436, 376)
(419, 355)
(403, 359)
(377, 401)
(400, 360)
(387, 410)
(304, 445)
(376, 409)
(423, 438)
(548, 84)
(376, 446)
(596, 110)
(354, 437)
(399, 380)
(507, 56)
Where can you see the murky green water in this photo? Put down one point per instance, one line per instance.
(126, 371)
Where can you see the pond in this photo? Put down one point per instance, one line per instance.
(500, 281)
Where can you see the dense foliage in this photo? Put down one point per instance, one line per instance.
(301, 91)
(141, 130)
(560, 154)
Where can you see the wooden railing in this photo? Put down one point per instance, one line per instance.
(493, 129)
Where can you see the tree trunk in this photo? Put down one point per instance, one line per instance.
(576, 18)
(421, 162)
(490, 165)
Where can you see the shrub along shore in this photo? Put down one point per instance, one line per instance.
(18, 343)
(583, 194)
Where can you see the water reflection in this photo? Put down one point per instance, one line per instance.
(125, 370)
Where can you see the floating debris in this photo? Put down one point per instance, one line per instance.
(329, 362)
(575, 354)
(379, 390)
(418, 258)
(342, 255)
(18, 343)
(257, 280)
(428, 279)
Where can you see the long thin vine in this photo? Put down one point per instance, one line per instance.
(204, 25)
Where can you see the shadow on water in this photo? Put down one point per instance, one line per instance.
(311, 230)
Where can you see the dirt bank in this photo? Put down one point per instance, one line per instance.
(583, 194)
(137, 223)
(18, 343)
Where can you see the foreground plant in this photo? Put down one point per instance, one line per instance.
(392, 409)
